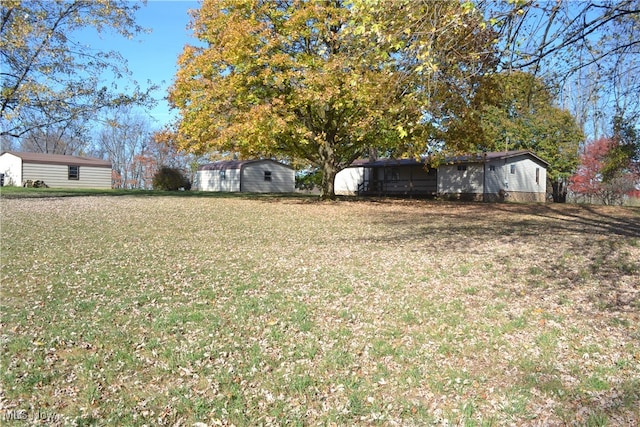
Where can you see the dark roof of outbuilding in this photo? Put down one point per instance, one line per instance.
(234, 164)
(59, 159)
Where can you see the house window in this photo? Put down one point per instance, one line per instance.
(462, 167)
(223, 175)
(392, 175)
(537, 175)
(492, 168)
(513, 168)
(267, 175)
(74, 173)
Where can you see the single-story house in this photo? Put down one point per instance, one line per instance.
(509, 175)
(247, 176)
(55, 170)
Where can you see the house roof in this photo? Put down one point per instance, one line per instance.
(494, 155)
(234, 164)
(461, 159)
(388, 162)
(59, 159)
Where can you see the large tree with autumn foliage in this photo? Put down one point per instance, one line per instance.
(323, 82)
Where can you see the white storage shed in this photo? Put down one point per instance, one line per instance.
(247, 176)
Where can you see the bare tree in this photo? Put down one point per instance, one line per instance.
(48, 77)
(69, 137)
(576, 43)
(124, 136)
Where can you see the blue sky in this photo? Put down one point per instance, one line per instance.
(153, 56)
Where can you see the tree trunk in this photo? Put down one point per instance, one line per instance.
(559, 191)
(329, 171)
(327, 192)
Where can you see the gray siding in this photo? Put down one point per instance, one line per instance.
(454, 181)
(246, 176)
(57, 176)
(253, 178)
(517, 176)
(523, 178)
(520, 182)
(495, 179)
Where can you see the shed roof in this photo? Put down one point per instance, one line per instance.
(234, 164)
(59, 159)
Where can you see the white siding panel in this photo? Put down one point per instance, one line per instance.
(348, 180)
(495, 180)
(11, 167)
(524, 177)
(57, 176)
(253, 178)
(210, 180)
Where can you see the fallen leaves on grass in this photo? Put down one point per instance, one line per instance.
(170, 311)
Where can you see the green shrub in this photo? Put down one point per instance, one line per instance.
(308, 179)
(170, 179)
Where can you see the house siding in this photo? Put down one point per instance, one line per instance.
(465, 184)
(480, 182)
(348, 180)
(495, 180)
(57, 176)
(53, 170)
(521, 186)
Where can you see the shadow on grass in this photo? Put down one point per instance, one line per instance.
(581, 218)
(582, 253)
(575, 244)
(483, 220)
(615, 406)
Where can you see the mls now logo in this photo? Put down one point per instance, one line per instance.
(24, 415)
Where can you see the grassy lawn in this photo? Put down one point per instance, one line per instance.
(236, 310)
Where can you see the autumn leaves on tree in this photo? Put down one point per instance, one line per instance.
(320, 83)
(609, 168)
